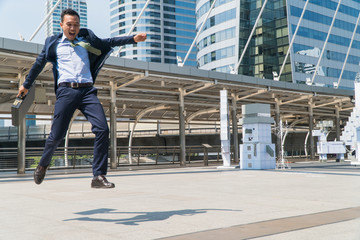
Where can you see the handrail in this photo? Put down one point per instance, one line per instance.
(82, 156)
(11, 133)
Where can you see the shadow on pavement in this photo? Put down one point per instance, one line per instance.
(140, 216)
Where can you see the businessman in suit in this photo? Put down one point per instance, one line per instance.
(77, 56)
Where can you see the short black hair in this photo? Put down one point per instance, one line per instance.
(69, 11)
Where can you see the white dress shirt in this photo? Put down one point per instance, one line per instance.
(73, 63)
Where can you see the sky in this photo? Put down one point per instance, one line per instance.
(25, 16)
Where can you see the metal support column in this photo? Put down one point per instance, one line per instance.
(66, 145)
(21, 147)
(158, 128)
(235, 127)
(337, 122)
(311, 127)
(113, 137)
(277, 124)
(182, 128)
(21, 137)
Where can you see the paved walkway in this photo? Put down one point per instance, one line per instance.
(310, 201)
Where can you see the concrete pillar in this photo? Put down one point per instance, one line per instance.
(113, 137)
(311, 127)
(182, 128)
(235, 127)
(337, 122)
(277, 124)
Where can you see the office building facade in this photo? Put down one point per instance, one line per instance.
(217, 42)
(226, 32)
(53, 23)
(169, 24)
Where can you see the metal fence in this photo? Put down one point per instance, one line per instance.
(82, 157)
(43, 131)
(298, 151)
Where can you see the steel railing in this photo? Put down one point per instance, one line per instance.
(82, 157)
(42, 132)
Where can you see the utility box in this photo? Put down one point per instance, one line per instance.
(257, 151)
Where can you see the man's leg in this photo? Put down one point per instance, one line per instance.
(96, 116)
(94, 112)
(65, 105)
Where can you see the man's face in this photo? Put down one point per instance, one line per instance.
(70, 26)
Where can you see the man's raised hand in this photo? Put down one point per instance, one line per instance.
(140, 37)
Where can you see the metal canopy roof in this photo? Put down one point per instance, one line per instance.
(152, 89)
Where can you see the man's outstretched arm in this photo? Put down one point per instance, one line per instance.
(33, 74)
(119, 41)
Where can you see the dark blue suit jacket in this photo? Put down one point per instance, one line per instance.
(48, 54)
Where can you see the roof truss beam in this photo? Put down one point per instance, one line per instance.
(205, 86)
(134, 80)
(295, 100)
(260, 91)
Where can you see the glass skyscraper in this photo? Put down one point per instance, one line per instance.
(53, 23)
(169, 24)
(217, 42)
(222, 41)
(312, 34)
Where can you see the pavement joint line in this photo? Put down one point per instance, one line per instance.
(318, 172)
(274, 226)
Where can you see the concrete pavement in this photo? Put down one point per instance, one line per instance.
(310, 201)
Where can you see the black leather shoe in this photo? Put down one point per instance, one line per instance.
(39, 174)
(101, 182)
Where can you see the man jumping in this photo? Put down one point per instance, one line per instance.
(77, 56)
